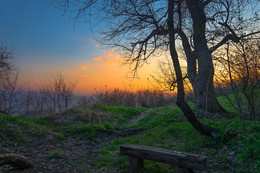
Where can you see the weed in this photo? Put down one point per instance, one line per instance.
(107, 125)
(5, 151)
(55, 155)
(85, 131)
(59, 137)
(103, 151)
(77, 163)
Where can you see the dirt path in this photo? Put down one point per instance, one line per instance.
(137, 118)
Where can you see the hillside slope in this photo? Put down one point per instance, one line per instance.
(72, 142)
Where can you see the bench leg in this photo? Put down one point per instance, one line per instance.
(135, 165)
(185, 170)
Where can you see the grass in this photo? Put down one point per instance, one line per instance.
(84, 131)
(170, 131)
(56, 154)
(120, 115)
(111, 117)
(229, 107)
(160, 117)
(20, 128)
(166, 128)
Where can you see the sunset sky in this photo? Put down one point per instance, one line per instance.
(48, 42)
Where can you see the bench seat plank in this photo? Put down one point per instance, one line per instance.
(179, 159)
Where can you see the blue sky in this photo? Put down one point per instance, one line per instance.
(47, 41)
(36, 30)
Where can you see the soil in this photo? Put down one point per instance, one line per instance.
(137, 118)
(74, 154)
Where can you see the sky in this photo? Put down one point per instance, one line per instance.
(47, 42)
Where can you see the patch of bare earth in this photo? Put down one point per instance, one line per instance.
(137, 118)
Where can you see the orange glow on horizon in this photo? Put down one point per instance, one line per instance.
(96, 73)
(83, 67)
(98, 59)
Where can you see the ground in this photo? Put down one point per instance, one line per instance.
(67, 142)
(72, 154)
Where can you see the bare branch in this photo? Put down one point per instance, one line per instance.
(5, 64)
(233, 38)
(206, 2)
(223, 41)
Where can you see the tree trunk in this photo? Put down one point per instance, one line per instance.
(201, 128)
(203, 83)
(205, 97)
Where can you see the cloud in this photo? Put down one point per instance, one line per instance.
(97, 59)
(83, 67)
(97, 45)
(109, 57)
(110, 53)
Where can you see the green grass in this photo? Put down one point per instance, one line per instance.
(56, 154)
(168, 129)
(60, 137)
(121, 115)
(27, 122)
(113, 117)
(17, 127)
(226, 103)
(160, 117)
(84, 131)
(77, 163)
(229, 107)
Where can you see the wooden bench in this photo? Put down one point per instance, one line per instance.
(184, 161)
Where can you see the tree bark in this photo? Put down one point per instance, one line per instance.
(201, 128)
(203, 82)
(205, 97)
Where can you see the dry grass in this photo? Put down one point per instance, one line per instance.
(141, 98)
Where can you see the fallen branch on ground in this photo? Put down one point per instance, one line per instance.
(15, 160)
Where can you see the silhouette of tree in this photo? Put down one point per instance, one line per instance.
(5, 65)
(146, 28)
(140, 29)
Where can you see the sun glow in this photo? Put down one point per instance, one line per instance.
(103, 69)
(108, 71)
(83, 67)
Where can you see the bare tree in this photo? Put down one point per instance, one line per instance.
(68, 88)
(10, 90)
(5, 65)
(140, 29)
(59, 91)
(10, 93)
(35, 103)
(239, 70)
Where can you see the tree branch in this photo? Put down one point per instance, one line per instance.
(205, 3)
(223, 41)
(231, 37)
(191, 60)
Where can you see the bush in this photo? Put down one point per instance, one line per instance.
(141, 98)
